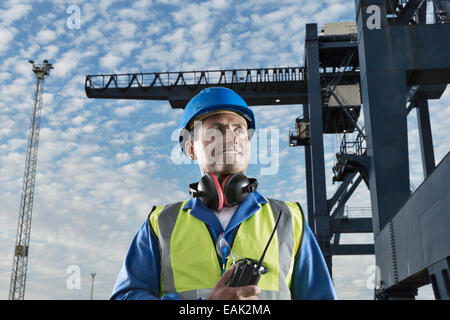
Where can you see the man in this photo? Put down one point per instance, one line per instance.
(178, 251)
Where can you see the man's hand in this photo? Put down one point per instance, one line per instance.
(222, 292)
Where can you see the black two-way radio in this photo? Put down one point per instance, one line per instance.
(249, 271)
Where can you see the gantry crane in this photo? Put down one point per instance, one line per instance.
(396, 61)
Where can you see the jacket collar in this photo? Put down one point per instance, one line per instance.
(244, 211)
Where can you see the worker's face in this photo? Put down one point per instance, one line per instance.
(221, 144)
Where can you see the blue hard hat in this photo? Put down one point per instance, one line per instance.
(212, 99)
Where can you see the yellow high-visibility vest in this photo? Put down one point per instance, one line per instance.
(189, 262)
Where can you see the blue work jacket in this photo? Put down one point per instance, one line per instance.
(139, 277)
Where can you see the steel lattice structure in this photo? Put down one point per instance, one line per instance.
(20, 261)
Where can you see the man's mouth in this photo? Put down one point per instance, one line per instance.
(232, 152)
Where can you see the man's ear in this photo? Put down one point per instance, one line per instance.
(189, 150)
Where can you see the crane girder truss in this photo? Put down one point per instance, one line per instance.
(263, 86)
(259, 85)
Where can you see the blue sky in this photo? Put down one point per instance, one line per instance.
(103, 164)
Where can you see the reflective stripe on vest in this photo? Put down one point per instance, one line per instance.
(189, 262)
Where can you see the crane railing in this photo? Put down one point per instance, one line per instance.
(209, 77)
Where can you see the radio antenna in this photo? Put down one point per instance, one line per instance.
(270, 239)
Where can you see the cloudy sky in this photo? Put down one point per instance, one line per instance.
(103, 164)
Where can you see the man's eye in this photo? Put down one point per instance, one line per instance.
(239, 131)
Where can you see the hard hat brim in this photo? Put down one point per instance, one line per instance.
(205, 115)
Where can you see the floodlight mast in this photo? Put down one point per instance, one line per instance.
(21, 249)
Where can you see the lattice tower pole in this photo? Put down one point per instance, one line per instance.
(92, 285)
(20, 261)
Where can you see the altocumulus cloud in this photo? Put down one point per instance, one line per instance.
(103, 164)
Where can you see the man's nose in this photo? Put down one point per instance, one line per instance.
(230, 136)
